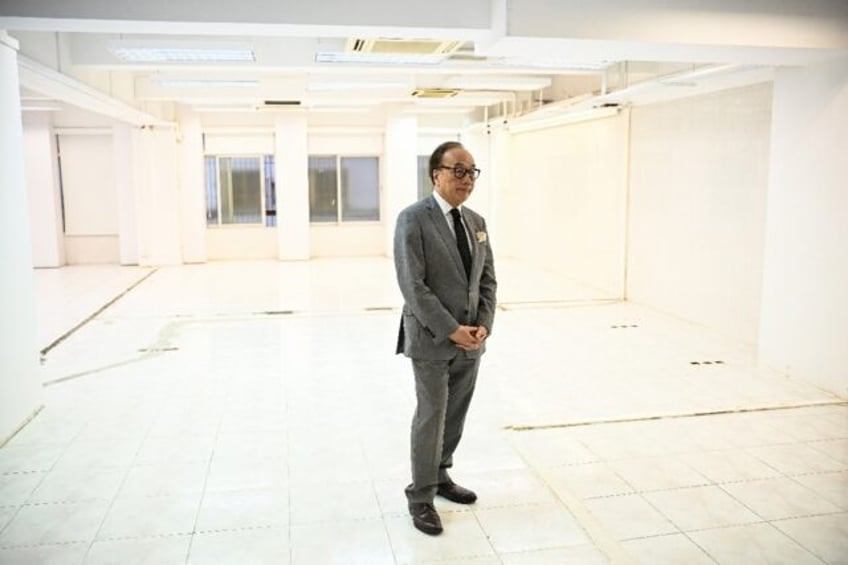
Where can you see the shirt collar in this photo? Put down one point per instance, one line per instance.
(444, 204)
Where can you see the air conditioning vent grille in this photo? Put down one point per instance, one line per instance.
(385, 46)
(435, 92)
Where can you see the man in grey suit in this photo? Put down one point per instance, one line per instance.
(446, 274)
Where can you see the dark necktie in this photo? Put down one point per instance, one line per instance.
(461, 241)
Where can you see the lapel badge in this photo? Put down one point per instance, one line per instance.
(481, 237)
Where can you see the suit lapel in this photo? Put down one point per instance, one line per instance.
(445, 233)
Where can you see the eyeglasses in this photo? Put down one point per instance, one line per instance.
(460, 171)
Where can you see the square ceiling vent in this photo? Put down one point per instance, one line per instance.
(403, 46)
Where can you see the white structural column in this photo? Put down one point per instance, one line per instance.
(291, 155)
(805, 272)
(192, 194)
(400, 185)
(20, 391)
(157, 198)
(122, 139)
(45, 203)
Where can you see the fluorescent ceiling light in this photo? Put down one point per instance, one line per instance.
(555, 63)
(378, 58)
(347, 85)
(175, 54)
(201, 83)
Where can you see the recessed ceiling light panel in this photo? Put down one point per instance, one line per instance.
(176, 53)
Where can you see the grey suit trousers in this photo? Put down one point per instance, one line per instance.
(444, 389)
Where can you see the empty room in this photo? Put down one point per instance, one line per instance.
(236, 330)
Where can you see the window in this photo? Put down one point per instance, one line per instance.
(425, 184)
(240, 190)
(344, 189)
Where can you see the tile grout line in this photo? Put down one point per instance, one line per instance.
(674, 416)
(96, 313)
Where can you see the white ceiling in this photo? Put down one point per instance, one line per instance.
(515, 58)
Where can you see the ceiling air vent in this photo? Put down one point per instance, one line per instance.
(435, 92)
(403, 46)
(278, 103)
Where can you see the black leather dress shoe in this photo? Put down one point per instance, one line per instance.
(425, 518)
(456, 493)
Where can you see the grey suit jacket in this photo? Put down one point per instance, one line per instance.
(438, 297)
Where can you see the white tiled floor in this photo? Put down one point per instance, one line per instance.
(254, 413)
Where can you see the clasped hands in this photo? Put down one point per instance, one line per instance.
(469, 338)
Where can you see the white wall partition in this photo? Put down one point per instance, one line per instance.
(699, 173)
(90, 198)
(563, 207)
(805, 284)
(42, 174)
(20, 389)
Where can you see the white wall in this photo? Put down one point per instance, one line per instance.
(365, 239)
(42, 174)
(803, 330)
(563, 207)
(20, 388)
(90, 198)
(698, 182)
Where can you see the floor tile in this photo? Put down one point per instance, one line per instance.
(462, 538)
(658, 473)
(363, 542)
(824, 536)
(29, 458)
(834, 448)
(550, 448)
(160, 550)
(700, 508)
(577, 555)
(831, 486)
(730, 466)
(514, 487)
(243, 509)
(588, 480)
(164, 479)
(527, 528)
(753, 544)
(233, 475)
(797, 458)
(670, 549)
(150, 516)
(628, 517)
(776, 499)
(64, 554)
(333, 501)
(16, 489)
(262, 546)
(75, 485)
(96, 454)
(54, 523)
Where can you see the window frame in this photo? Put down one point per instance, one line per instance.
(262, 160)
(339, 221)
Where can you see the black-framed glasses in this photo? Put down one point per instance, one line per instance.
(459, 171)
